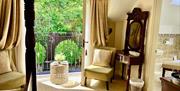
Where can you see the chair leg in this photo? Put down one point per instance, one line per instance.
(122, 75)
(85, 81)
(111, 79)
(107, 85)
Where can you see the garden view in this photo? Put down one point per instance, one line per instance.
(58, 32)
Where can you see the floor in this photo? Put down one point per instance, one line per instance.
(74, 84)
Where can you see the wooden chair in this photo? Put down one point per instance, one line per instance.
(133, 53)
(98, 72)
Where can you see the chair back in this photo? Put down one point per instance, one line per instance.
(112, 63)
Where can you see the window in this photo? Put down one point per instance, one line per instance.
(58, 30)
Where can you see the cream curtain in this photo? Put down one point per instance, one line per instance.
(99, 27)
(11, 27)
(98, 24)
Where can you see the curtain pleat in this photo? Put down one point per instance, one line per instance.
(11, 27)
(98, 24)
(99, 11)
(10, 24)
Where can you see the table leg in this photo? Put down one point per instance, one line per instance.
(163, 73)
(129, 74)
(140, 71)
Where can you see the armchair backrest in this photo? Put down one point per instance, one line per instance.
(112, 63)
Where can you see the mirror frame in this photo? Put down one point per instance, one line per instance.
(139, 30)
(136, 16)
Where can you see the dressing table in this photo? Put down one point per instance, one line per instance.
(133, 53)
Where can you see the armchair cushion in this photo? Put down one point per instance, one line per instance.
(99, 72)
(11, 80)
(102, 57)
(4, 62)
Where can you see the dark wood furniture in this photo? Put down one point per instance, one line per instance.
(134, 42)
(30, 44)
(167, 85)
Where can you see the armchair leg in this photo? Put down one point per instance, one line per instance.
(107, 85)
(122, 75)
(85, 81)
(111, 79)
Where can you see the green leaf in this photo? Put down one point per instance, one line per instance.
(58, 15)
(70, 49)
(40, 53)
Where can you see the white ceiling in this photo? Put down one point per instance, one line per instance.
(118, 9)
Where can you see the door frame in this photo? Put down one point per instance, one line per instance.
(30, 43)
(152, 36)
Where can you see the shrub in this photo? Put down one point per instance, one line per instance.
(40, 53)
(60, 57)
(70, 49)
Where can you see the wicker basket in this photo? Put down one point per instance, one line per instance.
(59, 72)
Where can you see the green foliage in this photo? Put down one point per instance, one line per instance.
(42, 38)
(70, 49)
(58, 15)
(40, 53)
(60, 57)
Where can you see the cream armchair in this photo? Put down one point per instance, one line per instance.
(102, 67)
(9, 77)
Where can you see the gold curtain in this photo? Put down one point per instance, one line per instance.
(10, 26)
(99, 16)
(98, 24)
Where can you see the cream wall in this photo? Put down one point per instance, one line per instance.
(119, 42)
(111, 37)
(120, 28)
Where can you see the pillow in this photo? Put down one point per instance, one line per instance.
(4, 62)
(102, 57)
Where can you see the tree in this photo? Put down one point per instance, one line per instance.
(70, 49)
(58, 16)
(40, 53)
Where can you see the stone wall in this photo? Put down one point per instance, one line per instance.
(168, 48)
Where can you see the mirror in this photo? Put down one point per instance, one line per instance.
(134, 38)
